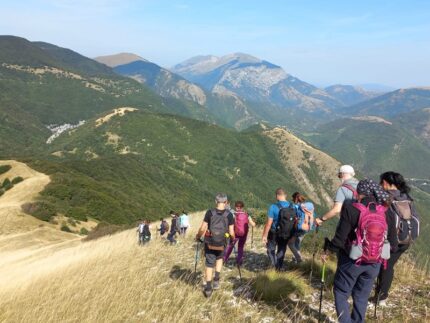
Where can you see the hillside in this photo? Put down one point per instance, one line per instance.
(128, 163)
(393, 103)
(417, 122)
(42, 84)
(373, 145)
(350, 95)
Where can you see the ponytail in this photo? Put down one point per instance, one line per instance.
(397, 180)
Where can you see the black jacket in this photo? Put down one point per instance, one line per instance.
(348, 223)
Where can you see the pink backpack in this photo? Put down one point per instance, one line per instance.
(241, 224)
(371, 245)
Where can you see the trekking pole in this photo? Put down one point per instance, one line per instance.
(321, 291)
(197, 256)
(314, 251)
(376, 297)
(252, 237)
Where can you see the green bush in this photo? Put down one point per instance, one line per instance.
(103, 229)
(17, 180)
(42, 210)
(4, 168)
(273, 286)
(6, 183)
(65, 228)
(72, 222)
(83, 231)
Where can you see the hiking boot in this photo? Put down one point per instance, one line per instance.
(207, 292)
(215, 284)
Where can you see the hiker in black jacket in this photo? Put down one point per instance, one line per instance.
(396, 186)
(350, 278)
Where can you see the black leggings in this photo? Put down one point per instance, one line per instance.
(386, 276)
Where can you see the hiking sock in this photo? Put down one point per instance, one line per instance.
(208, 285)
(217, 274)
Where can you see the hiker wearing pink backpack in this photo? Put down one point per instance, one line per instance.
(364, 237)
(241, 227)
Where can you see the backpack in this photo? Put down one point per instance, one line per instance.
(371, 245)
(216, 235)
(352, 189)
(286, 221)
(407, 222)
(241, 224)
(146, 232)
(305, 218)
(164, 227)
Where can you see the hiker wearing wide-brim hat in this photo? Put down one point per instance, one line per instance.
(356, 272)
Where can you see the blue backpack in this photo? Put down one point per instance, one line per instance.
(305, 217)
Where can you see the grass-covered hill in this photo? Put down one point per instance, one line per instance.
(417, 122)
(373, 145)
(143, 164)
(52, 85)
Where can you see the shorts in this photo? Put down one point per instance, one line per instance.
(212, 256)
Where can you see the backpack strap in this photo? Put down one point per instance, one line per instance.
(352, 189)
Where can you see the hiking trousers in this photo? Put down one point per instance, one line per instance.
(240, 249)
(386, 276)
(355, 281)
(276, 249)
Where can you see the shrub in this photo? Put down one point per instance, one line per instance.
(103, 229)
(42, 210)
(83, 231)
(1, 191)
(273, 286)
(72, 222)
(260, 218)
(7, 185)
(65, 228)
(17, 180)
(4, 168)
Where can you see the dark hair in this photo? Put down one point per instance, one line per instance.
(239, 204)
(397, 180)
(298, 198)
(172, 212)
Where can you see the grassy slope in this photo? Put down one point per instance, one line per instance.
(114, 279)
(374, 147)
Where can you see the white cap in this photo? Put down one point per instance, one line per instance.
(347, 169)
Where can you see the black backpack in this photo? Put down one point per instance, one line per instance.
(407, 222)
(146, 232)
(286, 221)
(216, 240)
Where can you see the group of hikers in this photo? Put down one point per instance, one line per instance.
(378, 222)
(179, 225)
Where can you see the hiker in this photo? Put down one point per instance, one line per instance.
(346, 192)
(361, 245)
(144, 232)
(407, 227)
(140, 231)
(174, 228)
(278, 231)
(305, 222)
(164, 227)
(216, 228)
(184, 223)
(241, 227)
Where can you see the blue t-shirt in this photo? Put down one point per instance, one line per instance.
(273, 212)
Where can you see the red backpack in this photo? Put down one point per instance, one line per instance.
(371, 243)
(241, 224)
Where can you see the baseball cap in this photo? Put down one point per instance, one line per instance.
(347, 169)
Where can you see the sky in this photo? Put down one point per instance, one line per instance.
(321, 42)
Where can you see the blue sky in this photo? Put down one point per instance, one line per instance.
(322, 42)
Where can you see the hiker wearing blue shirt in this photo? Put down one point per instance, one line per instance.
(276, 247)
